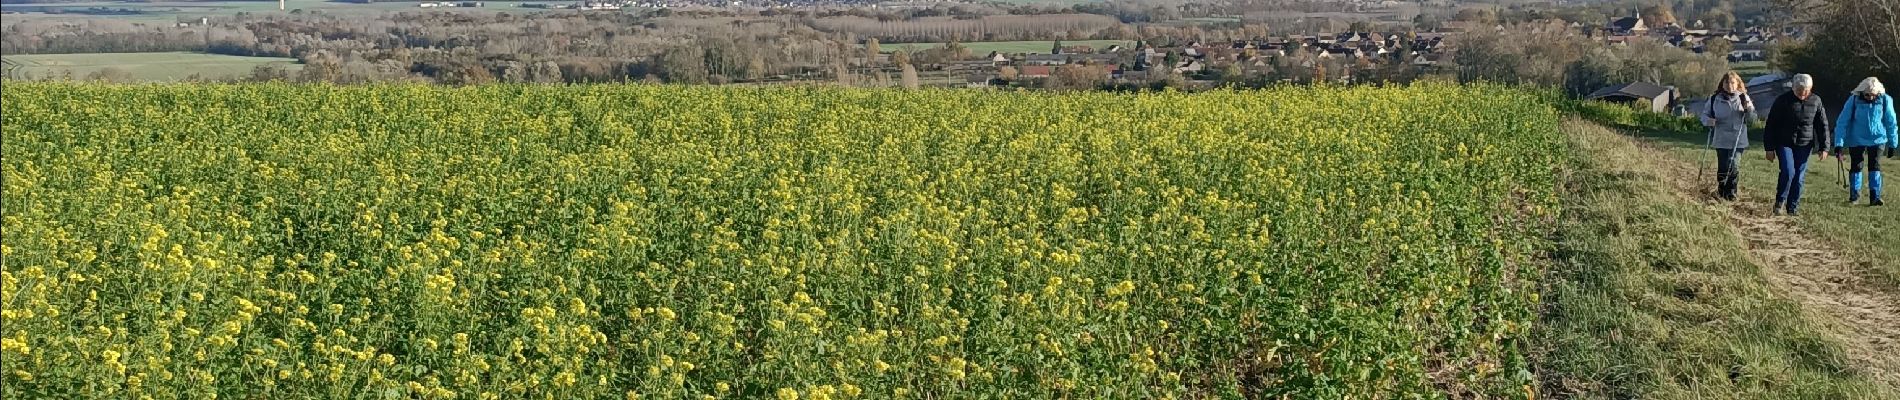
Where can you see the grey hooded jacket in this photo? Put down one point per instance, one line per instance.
(1731, 114)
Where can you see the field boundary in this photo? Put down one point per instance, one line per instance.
(1656, 294)
(1841, 290)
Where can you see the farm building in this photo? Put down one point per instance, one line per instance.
(1657, 98)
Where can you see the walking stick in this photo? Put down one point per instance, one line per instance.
(1703, 166)
(1699, 167)
(1840, 172)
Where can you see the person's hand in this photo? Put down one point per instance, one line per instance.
(1708, 122)
(1770, 156)
(1837, 153)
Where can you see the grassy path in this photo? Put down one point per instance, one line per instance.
(1838, 287)
(1657, 293)
(1867, 237)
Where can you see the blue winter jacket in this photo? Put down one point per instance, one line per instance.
(1864, 124)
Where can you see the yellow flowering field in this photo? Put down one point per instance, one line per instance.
(592, 242)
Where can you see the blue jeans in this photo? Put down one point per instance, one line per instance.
(1794, 170)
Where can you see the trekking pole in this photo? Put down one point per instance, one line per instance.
(1840, 172)
(1703, 166)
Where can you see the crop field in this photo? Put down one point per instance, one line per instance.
(276, 241)
(141, 66)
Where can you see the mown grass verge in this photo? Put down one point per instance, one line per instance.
(1870, 234)
(1653, 297)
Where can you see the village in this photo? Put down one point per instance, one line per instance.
(1345, 58)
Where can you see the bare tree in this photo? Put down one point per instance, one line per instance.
(910, 76)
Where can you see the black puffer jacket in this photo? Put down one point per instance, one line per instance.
(1795, 123)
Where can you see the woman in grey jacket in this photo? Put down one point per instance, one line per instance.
(1727, 116)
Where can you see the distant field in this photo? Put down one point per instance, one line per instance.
(1750, 69)
(1033, 46)
(141, 66)
(170, 10)
(1047, 2)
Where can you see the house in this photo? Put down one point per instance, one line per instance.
(598, 6)
(1272, 50)
(1654, 97)
(1628, 26)
(1342, 52)
(1190, 67)
(977, 81)
(1368, 49)
(1259, 64)
(1748, 52)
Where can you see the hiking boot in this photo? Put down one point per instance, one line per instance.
(1777, 208)
(1853, 188)
(1873, 188)
(1876, 203)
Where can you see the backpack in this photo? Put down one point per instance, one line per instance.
(1854, 111)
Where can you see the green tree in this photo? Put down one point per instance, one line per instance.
(1232, 74)
(1717, 47)
(1658, 16)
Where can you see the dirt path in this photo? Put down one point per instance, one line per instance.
(1830, 288)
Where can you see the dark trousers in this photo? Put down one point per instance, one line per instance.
(1794, 172)
(1727, 172)
(1868, 154)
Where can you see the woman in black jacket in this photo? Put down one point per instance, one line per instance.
(1797, 126)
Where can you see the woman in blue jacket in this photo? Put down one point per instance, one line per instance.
(1865, 126)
